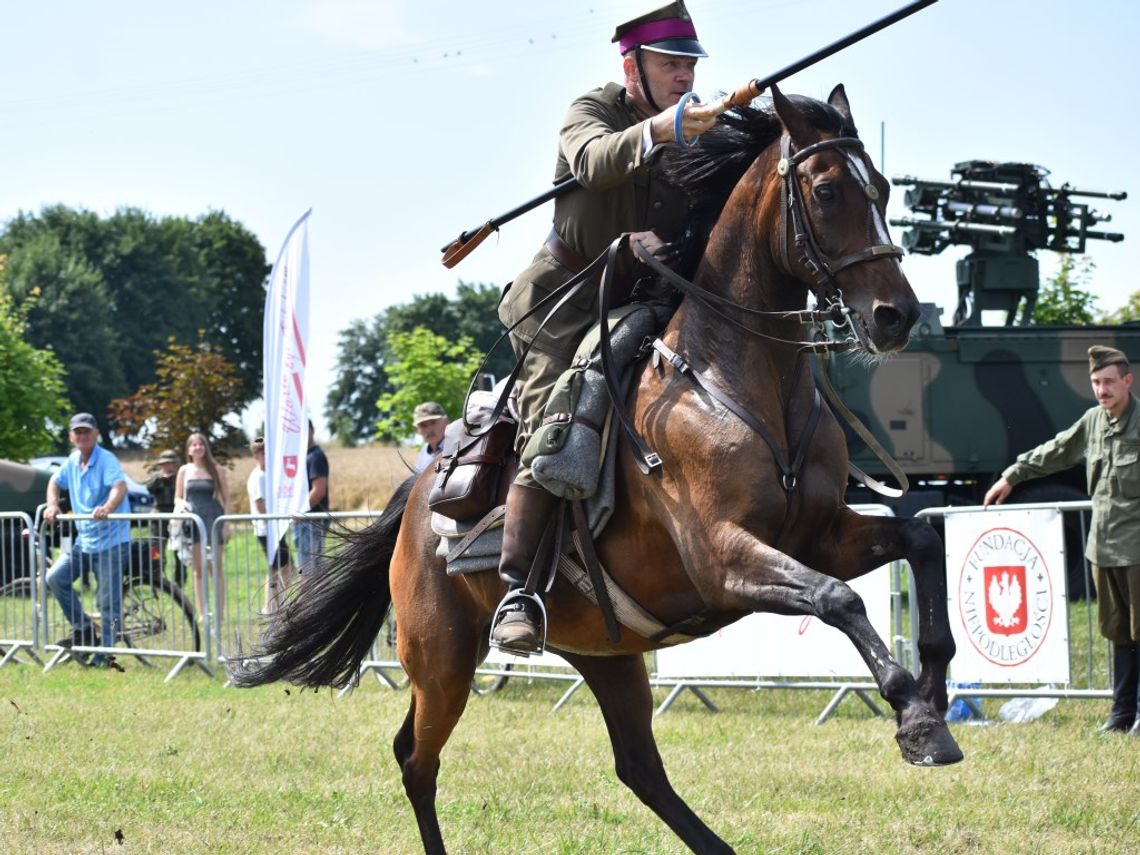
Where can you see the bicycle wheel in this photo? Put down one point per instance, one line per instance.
(157, 616)
(485, 684)
(19, 589)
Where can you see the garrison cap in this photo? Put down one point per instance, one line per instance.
(666, 30)
(1102, 357)
(428, 411)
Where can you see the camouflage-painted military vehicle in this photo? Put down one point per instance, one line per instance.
(961, 402)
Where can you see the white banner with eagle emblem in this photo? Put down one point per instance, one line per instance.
(1005, 574)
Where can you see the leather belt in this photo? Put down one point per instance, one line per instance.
(565, 255)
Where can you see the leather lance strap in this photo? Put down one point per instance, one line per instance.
(585, 546)
(867, 437)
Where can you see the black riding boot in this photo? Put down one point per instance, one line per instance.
(518, 619)
(1124, 687)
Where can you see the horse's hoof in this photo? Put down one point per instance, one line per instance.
(928, 742)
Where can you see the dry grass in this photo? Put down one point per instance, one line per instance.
(361, 478)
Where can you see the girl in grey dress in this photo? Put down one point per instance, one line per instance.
(202, 486)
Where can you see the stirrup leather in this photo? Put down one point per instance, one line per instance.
(518, 596)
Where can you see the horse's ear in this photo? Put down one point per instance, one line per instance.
(838, 100)
(802, 131)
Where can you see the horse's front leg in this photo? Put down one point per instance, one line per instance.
(856, 544)
(756, 577)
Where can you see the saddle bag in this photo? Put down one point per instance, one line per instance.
(469, 470)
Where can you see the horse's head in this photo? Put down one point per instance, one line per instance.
(833, 234)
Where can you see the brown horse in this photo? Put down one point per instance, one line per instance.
(727, 526)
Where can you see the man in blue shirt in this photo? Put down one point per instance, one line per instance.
(97, 487)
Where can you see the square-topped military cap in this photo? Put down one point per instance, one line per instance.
(669, 30)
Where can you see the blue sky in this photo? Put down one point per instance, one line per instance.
(401, 124)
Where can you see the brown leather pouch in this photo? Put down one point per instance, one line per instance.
(468, 473)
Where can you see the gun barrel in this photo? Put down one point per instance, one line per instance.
(954, 226)
(1005, 212)
(965, 183)
(1113, 237)
(1091, 194)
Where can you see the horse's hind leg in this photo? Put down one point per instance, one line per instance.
(622, 688)
(431, 717)
(859, 544)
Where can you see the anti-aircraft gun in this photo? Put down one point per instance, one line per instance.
(961, 402)
(1004, 211)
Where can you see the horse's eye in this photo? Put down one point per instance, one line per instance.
(825, 193)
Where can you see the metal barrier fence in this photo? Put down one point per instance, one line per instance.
(163, 620)
(160, 620)
(19, 606)
(244, 590)
(155, 620)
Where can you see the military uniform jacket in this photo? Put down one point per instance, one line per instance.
(1111, 451)
(601, 145)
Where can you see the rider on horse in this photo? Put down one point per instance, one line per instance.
(611, 143)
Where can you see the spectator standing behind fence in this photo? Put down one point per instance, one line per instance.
(430, 420)
(96, 486)
(309, 535)
(1107, 438)
(162, 485)
(201, 485)
(280, 570)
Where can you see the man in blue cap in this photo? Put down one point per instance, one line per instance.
(610, 142)
(97, 487)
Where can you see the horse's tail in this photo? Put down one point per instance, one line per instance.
(320, 637)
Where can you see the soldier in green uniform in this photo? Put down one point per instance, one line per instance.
(611, 142)
(1107, 438)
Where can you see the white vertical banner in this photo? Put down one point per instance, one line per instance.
(1005, 586)
(286, 338)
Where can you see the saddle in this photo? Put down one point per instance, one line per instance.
(573, 455)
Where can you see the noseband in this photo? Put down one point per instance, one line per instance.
(794, 219)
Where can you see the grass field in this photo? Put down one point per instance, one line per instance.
(193, 767)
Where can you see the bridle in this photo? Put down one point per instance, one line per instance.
(795, 221)
(824, 286)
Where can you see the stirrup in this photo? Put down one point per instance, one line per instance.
(512, 597)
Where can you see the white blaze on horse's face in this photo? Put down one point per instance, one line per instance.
(878, 225)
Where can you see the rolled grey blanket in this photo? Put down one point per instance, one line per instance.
(572, 471)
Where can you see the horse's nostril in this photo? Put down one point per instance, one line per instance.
(888, 318)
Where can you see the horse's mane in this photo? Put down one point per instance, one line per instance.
(707, 172)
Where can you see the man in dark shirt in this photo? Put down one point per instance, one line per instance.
(161, 486)
(309, 534)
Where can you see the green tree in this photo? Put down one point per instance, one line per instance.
(116, 288)
(364, 353)
(33, 407)
(424, 367)
(1127, 313)
(196, 389)
(1063, 299)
